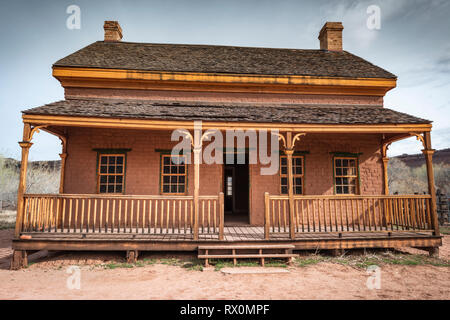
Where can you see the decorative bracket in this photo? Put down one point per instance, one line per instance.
(189, 136)
(420, 138)
(385, 148)
(207, 134)
(289, 144)
(297, 138)
(281, 138)
(34, 130)
(387, 142)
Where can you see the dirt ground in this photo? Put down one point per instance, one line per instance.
(47, 278)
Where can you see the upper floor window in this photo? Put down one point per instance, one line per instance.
(297, 174)
(346, 175)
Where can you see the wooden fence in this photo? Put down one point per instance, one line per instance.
(348, 213)
(156, 214)
(442, 206)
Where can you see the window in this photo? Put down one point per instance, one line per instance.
(346, 175)
(111, 173)
(297, 174)
(173, 174)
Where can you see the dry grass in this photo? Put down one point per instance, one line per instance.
(7, 219)
(351, 259)
(190, 263)
(445, 229)
(379, 259)
(41, 178)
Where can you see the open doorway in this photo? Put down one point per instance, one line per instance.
(236, 192)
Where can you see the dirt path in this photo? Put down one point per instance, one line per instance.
(5, 247)
(47, 279)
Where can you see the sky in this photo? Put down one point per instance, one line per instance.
(412, 42)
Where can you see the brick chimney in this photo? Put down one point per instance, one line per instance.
(331, 36)
(113, 31)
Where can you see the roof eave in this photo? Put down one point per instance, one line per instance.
(143, 79)
(161, 124)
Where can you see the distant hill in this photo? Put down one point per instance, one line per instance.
(417, 160)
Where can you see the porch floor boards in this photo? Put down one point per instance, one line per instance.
(231, 234)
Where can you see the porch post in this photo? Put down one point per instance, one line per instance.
(289, 150)
(385, 160)
(386, 177)
(266, 216)
(25, 145)
(221, 215)
(63, 156)
(197, 150)
(428, 152)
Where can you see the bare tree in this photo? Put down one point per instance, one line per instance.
(40, 179)
(407, 180)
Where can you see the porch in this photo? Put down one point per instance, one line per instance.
(155, 223)
(83, 216)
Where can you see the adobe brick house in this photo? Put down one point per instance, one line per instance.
(121, 189)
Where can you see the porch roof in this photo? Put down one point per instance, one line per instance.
(226, 112)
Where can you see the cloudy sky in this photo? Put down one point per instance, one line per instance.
(413, 42)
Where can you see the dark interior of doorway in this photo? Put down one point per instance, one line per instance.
(236, 190)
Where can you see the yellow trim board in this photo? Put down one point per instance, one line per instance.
(214, 87)
(80, 75)
(214, 77)
(126, 123)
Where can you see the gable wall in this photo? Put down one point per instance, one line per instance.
(74, 93)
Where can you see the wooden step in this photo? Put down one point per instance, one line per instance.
(232, 252)
(255, 247)
(248, 256)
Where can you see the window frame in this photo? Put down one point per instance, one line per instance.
(162, 174)
(356, 177)
(302, 176)
(101, 154)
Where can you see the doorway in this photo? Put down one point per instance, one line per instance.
(236, 192)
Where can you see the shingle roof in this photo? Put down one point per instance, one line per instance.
(222, 59)
(225, 112)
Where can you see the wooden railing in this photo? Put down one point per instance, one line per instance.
(348, 213)
(155, 214)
